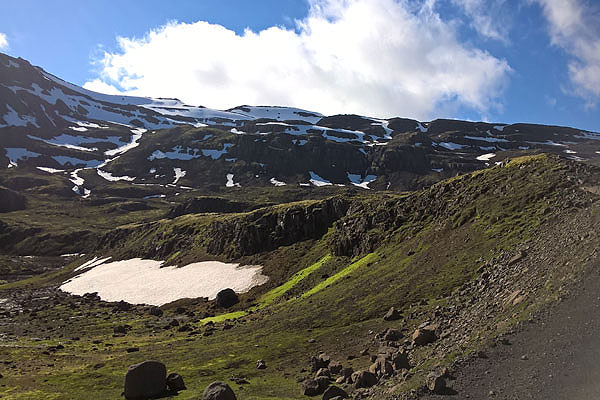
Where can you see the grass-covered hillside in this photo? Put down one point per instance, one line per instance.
(470, 257)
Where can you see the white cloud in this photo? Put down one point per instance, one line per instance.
(488, 17)
(3, 41)
(373, 57)
(574, 25)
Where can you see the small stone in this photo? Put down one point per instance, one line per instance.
(260, 364)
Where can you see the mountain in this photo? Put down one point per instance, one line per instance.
(284, 253)
(58, 127)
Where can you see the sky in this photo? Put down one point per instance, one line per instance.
(507, 61)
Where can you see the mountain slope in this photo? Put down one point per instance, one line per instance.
(49, 123)
(454, 254)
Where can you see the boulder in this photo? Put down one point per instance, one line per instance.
(175, 382)
(314, 387)
(323, 372)
(381, 367)
(436, 383)
(392, 315)
(364, 379)
(145, 380)
(227, 298)
(425, 335)
(121, 329)
(316, 363)
(157, 312)
(218, 391)
(335, 367)
(392, 335)
(334, 392)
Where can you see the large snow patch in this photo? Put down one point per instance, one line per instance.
(140, 281)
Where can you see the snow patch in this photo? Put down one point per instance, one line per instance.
(140, 281)
(179, 173)
(486, 157)
(230, 182)
(275, 182)
(317, 180)
(50, 170)
(452, 146)
(357, 180)
(110, 177)
(15, 154)
(216, 154)
(487, 139)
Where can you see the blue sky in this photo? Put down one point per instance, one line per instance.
(497, 60)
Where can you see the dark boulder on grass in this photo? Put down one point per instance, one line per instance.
(175, 382)
(145, 380)
(227, 298)
(218, 391)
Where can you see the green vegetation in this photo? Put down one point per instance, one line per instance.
(420, 249)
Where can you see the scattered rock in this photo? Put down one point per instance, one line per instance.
(436, 383)
(133, 349)
(364, 379)
(517, 257)
(335, 367)
(314, 387)
(146, 379)
(120, 329)
(175, 382)
(381, 367)
(392, 335)
(260, 364)
(425, 335)
(218, 391)
(322, 361)
(323, 372)
(226, 298)
(392, 315)
(122, 306)
(333, 392)
(157, 312)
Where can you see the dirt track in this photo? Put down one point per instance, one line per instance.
(556, 356)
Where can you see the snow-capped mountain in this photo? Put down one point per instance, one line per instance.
(51, 126)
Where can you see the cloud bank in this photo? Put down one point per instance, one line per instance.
(373, 57)
(574, 26)
(3, 41)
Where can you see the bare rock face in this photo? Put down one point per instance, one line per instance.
(218, 391)
(227, 298)
(145, 380)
